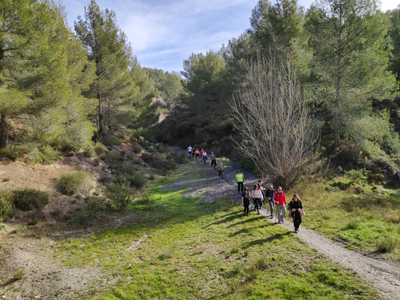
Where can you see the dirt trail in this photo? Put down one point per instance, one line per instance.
(383, 275)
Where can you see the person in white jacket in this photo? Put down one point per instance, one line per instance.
(257, 196)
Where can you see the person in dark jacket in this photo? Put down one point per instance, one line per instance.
(296, 208)
(269, 194)
(246, 201)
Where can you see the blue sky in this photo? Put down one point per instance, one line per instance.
(165, 32)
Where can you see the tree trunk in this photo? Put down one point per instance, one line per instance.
(3, 131)
(100, 129)
(337, 136)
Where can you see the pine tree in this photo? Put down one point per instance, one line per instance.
(109, 50)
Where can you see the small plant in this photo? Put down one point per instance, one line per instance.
(139, 180)
(28, 199)
(9, 154)
(111, 140)
(96, 162)
(90, 151)
(152, 177)
(353, 224)
(144, 199)
(7, 209)
(100, 149)
(34, 157)
(137, 149)
(77, 182)
(386, 244)
(19, 275)
(49, 155)
(120, 195)
(6, 179)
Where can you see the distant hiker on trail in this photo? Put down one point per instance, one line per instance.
(246, 201)
(189, 149)
(296, 210)
(201, 153)
(257, 196)
(204, 156)
(220, 168)
(213, 162)
(262, 189)
(280, 201)
(240, 180)
(197, 154)
(269, 194)
(193, 152)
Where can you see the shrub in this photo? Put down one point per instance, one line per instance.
(111, 140)
(157, 161)
(49, 154)
(7, 209)
(90, 151)
(34, 157)
(27, 199)
(120, 195)
(144, 199)
(139, 180)
(112, 157)
(386, 244)
(9, 154)
(77, 182)
(137, 149)
(96, 162)
(152, 177)
(100, 149)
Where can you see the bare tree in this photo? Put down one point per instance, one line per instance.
(271, 117)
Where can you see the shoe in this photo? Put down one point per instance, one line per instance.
(283, 221)
(279, 222)
(296, 231)
(258, 213)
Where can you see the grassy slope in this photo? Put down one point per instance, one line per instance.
(183, 249)
(362, 222)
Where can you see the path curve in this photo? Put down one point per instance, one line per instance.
(383, 275)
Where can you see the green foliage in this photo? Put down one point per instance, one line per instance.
(9, 154)
(158, 162)
(111, 140)
(7, 209)
(137, 149)
(387, 244)
(100, 149)
(120, 195)
(28, 199)
(77, 182)
(49, 154)
(138, 180)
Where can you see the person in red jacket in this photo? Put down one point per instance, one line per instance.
(280, 201)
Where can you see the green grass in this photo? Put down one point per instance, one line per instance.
(77, 182)
(177, 248)
(358, 220)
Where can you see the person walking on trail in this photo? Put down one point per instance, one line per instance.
(280, 201)
(189, 149)
(220, 168)
(269, 194)
(213, 162)
(296, 210)
(262, 189)
(204, 156)
(201, 153)
(246, 201)
(197, 154)
(257, 196)
(240, 181)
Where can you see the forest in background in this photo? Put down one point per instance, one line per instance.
(63, 91)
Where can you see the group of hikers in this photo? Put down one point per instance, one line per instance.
(201, 155)
(260, 195)
(275, 198)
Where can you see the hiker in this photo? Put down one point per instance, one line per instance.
(197, 154)
(296, 210)
(280, 201)
(262, 189)
(269, 194)
(220, 168)
(246, 201)
(189, 149)
(240, 180)
(201, 153)
(213, 162)
(194, 152)
(204, 156)
(257, 196)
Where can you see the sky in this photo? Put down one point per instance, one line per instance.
(163, 33)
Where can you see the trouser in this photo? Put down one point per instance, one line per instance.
(281, 212)
(257, 202)
(240, 187)
(246, 208)
(220, 174)
(296, 219)
(204, 159)
(271, 207)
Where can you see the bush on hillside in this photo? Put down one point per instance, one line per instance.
(111, 140)
(120, 195)
(7, 209)
(77, 182)
(34, 157)
(49, 155)
(28, 199)
(100, 149)
(386, 244)
(158, 162)
(139, 180)
(9, 154)
(137, 149)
